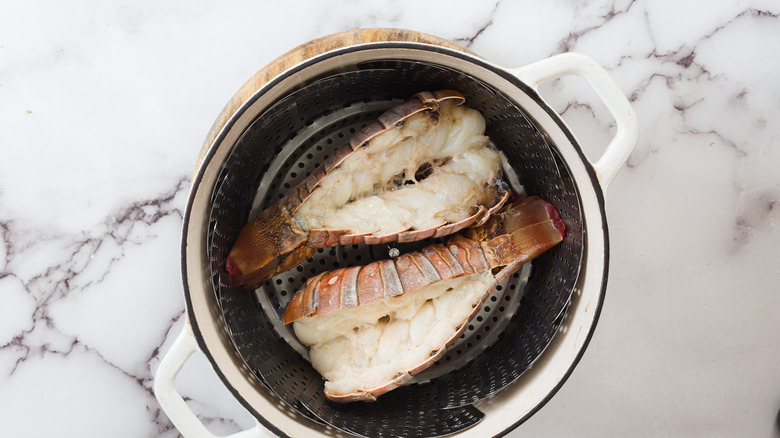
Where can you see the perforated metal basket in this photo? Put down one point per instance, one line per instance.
(291, 125)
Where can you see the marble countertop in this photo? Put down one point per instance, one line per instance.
(104, 106)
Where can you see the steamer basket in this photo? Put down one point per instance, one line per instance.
(279, 127)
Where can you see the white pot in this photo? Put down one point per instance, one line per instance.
(205, 330)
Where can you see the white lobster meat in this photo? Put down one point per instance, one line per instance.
(377, 190)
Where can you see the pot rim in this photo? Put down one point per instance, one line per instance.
(496, 69)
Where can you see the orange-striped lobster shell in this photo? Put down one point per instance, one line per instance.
(277, 240)
(361, 297)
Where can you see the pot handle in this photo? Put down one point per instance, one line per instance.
(172, 402)
(622, 144)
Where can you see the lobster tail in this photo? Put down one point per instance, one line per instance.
(517, 234)
(423, 169)
(372, 327)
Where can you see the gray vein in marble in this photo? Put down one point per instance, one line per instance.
(714, 132)
(684, 58)
(750, 12)
(575, 105)
(681, 108)
(47, 287)
(634, 160)
(568, 43)
(470, 40)
(685, 55)
(756, 210)
(160, 420)
(44, 337)
(5, 232)
(156, 351)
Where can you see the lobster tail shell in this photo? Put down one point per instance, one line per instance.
(518, 233)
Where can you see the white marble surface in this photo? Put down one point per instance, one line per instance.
(104, 105)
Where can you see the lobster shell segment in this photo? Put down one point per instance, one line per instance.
(370, 328)
(270, 243)
(369, 190)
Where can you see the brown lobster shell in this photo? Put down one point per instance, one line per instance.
(515, 235)
(273, 242)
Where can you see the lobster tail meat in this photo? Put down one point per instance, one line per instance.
(424, 169)
(370, 328)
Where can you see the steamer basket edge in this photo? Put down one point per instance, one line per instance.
(598, 198)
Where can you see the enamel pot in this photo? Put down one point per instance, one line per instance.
(280, 125)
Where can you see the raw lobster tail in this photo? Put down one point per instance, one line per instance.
(423, 169)
(370, 328)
